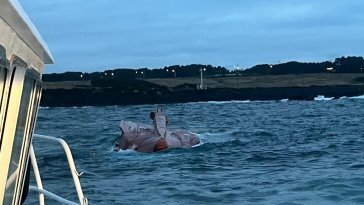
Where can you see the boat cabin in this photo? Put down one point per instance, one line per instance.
(23, 55)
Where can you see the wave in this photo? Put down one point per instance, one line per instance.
(220, 133)
(123, 152)
(227, 102)
(225, 144)
(217, 136)
(240, 101)
(232, 101)
(199, 144)
(82, 107)
(357, 166)
(361, 97)
(269, 156)
(216, 102)
(322, 97)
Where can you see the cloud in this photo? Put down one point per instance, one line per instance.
(121, 33)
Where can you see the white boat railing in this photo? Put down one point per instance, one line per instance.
(75, 174)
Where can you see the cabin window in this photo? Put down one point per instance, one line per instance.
(2, 84)
(24, 128)
(3, 74)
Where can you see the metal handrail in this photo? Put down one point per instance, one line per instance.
(51, 195)
(75, 174)
(33, 159)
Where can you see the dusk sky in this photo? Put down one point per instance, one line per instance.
(95, 35)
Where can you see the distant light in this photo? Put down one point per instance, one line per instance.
(271, 66)
(204, 69)
(330, 69)
(105, 73)
(81, 76)
(136, 72)
(167, 70)
(172, 71)
(141, 72)
(112, 74)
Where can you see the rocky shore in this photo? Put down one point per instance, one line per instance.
(113, 96)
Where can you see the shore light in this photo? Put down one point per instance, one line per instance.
(174, 73)
(201, 83)
(237, 69)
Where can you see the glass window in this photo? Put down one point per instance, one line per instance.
(36, 102)
(3, 74)
(2, 83)
(21, 134)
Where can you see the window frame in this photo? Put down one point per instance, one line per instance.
(33, 106)
(4, 67)
(19, 73)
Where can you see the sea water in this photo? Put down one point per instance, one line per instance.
(295, 152)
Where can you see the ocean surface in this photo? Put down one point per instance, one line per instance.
(274, 152)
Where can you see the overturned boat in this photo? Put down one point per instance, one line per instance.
(157, 137)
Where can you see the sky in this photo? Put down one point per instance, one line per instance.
(95, 35)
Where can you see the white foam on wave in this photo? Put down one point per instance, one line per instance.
(361, 97)
(225, 102)
(216, 102)
(121, 151)
(218, 137)
(229, 102)
(240, 101)
(203, 135)
(45, 108)
(322, 97)
(202, 142)
(82, 107)
(284, 100)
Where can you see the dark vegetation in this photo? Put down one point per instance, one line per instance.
(340, 65)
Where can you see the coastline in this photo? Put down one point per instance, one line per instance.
(112, 96)
(118, 91)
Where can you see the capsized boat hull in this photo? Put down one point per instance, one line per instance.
(143, 138)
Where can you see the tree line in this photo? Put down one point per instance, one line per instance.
(351, 64)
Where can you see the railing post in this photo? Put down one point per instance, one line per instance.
(72, 166)
(37, 174)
